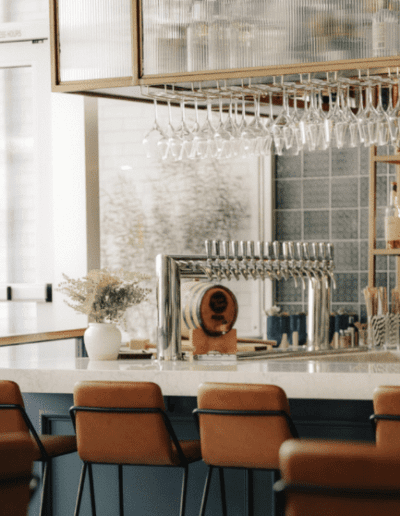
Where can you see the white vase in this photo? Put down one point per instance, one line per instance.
(102, 341)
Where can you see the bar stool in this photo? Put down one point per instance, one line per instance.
(13, 418)
(386, 417)
(16, 461)
(124, 423)
(242, 426)
(336, 478)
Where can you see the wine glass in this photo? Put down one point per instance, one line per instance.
(393, 113)
(222, 137)
(382, 124)
(155, 140)
(368, 117)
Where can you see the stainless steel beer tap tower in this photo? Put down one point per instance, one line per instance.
(233, 259)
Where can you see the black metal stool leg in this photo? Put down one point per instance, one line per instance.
(249, 487)
(91, 484)
(121, 490)
(184, 491)
(205, 493)
(279, 498)
(223, 493)
(80, 489)
(43, 499)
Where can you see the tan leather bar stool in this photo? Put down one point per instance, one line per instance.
(124, 423)
(386, 417)
(336, 478)
(242, 426)
(13, 418)
(16, 461)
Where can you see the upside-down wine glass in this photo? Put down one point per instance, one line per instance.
(153, 141)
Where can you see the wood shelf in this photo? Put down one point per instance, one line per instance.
(395, 160)
(388, 252)
(372, 209)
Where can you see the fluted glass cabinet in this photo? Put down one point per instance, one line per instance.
(108, 47)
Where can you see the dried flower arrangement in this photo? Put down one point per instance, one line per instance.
(105, 295)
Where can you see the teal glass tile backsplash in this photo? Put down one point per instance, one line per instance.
(323, 197)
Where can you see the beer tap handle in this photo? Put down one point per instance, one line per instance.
(306, 250)
(277, 248)
(208, 249)
(314, 252)
(300, 250)
(235, 248)
(290, 246)
(267, 251)
(225, 249)
(285, 250)
(243, 248)
(216, 244)
(260, 249)
(322, 250)
(250, 249)
(330, 251)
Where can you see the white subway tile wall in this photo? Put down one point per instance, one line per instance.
(323, 196)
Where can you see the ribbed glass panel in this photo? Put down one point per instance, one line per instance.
(95, 39)
(23, 10)
(18, 199)
(196, 35)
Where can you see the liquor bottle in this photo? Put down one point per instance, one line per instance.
(385, 30)
(392, 220)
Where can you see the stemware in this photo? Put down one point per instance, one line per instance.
(282, 126)
(260, 133)
(393, 113)
(153, 141)
(382, 125)
(222, 137)
(368, 117)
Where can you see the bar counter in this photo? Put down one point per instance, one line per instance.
(328, 399)
(313, 378)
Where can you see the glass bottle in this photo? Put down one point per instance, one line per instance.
(392, 220)
(385, 30)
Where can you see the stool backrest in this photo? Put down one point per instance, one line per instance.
(11, 420)
(121, 437)
(240, 440)
(386, 401)
(339, 478)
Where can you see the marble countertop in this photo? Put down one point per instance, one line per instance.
(308, 378)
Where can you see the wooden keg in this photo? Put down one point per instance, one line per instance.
(211, 307)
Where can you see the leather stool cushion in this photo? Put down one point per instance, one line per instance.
(16, 460)
(121, 438)
(338, 464)
(242, 441)
(386, 400)
(55, 445)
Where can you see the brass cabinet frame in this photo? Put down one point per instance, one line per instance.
(379, 64)
(78, 86)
